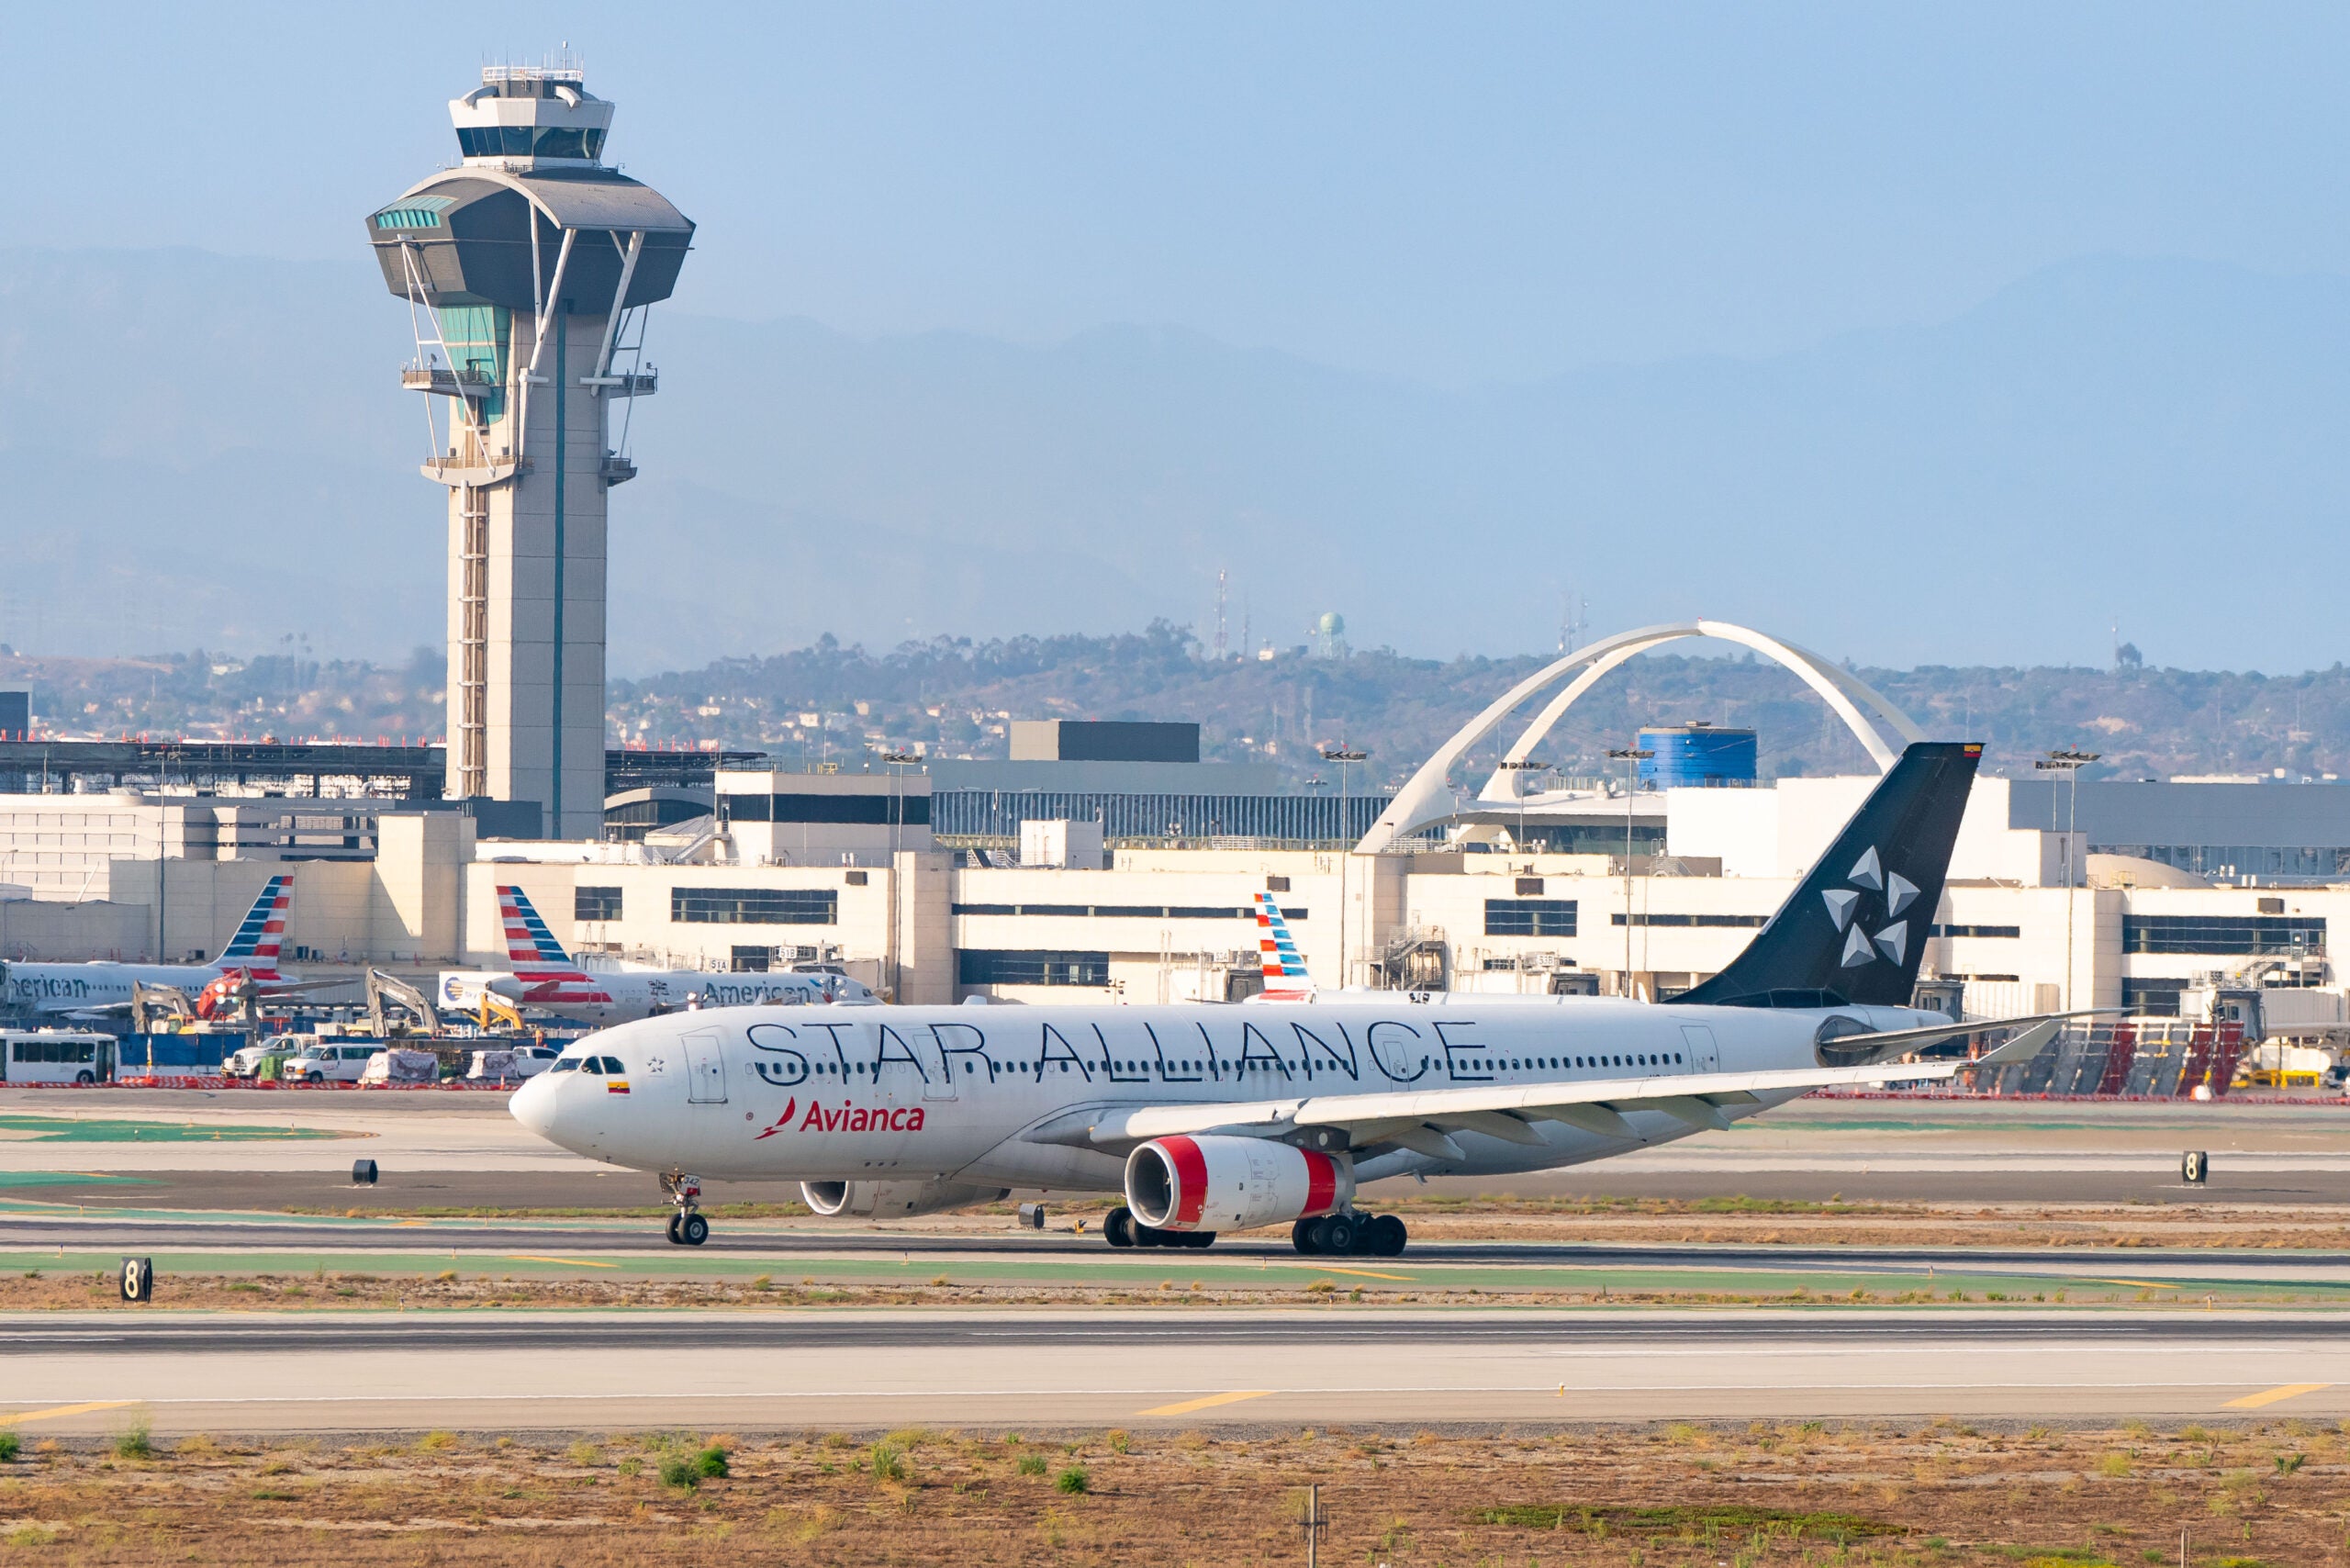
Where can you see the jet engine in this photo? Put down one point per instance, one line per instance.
(1231, 1183)
(894, 1200)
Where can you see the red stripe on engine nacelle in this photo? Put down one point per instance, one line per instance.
(1191, 1179)
(1321, 1183)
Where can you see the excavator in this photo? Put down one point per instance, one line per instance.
(386, 991)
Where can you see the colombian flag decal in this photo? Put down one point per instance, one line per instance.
(616, 1086)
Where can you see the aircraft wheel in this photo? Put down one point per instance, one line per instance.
(1118, 1227)
(1144, 1235)
(1199, 1239)
(693, 1230)
(1301, 1237)
(1335, 1233)
(1387, 1237)
(674, 1240)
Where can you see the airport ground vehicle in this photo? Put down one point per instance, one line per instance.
(1210, 1116)
(512, 1064)
(330, 1062)
(55, 1055)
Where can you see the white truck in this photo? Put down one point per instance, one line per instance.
(330, 1062)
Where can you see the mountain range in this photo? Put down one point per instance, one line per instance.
(200, 450)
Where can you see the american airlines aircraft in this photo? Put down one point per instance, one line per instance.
(545, 978)
(1208, 1118)
(104, 986)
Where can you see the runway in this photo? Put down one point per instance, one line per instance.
(249, 1374)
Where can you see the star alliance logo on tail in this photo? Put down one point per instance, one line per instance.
(1844, 907)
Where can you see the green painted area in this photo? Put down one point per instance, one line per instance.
(64, 1178)
(80, 1129)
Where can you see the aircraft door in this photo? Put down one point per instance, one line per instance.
(941, 1085)
(705, 1068)
(1702, 1057)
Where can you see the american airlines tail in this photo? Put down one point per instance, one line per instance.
(531, 947)
(1854, 929)
(1284, 970)
(262, 932)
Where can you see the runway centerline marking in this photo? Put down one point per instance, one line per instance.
(2275, 1395)
(64, 1410)
(576, 1262)
(1187, 1405)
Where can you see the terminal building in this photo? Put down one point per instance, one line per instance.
(2149, 897)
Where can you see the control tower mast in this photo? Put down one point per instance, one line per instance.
(528, 268)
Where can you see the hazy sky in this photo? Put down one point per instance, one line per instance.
(1456, 193)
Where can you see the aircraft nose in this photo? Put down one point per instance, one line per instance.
(533, 1106)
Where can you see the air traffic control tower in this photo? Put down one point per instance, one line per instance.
(528, 268)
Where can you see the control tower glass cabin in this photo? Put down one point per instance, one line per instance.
(528, 268)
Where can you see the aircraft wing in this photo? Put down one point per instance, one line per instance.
(1422, 1120)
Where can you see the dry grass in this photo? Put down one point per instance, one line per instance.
(1732, 1218)
(1753, 1494)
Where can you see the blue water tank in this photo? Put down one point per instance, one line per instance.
(1696, 757)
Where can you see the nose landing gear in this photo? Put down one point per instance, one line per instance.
(1341, 1234)
(687, 1227)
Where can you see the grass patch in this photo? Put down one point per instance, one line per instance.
(136, 1441)
(1032, 1464)
(11, 1445)
(680, 1472)
(1073, 1481)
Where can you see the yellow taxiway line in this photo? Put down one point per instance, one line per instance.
(2273, 1395)
(24, 1416)
(574, 1263)
(1187, 1405)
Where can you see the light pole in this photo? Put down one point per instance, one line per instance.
(897, 761)
(2068, 763)
(1631, 757)
(1342, 755)
(1518, 768)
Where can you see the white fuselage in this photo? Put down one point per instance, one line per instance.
(917, 1093)
(622, 996)
(78, 988)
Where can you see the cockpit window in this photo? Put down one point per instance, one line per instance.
(590, 1064)
(565, 1064)
(612, 1066)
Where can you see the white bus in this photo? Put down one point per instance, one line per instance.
(55, 1055)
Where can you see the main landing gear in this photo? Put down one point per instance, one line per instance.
(1120, 1228)
(687, 1227)
(1343, 1234)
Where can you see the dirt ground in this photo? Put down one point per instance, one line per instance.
(1678, 1496)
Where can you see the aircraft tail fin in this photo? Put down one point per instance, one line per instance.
(1285, 969)
(262, 931)
(528, 944)
(1855, 928)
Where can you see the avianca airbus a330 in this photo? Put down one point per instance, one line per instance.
(104, 986)
(1210, 1117)
(545, 978)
